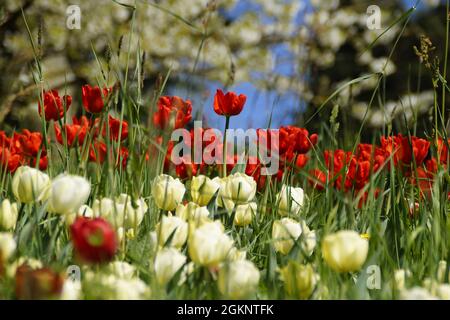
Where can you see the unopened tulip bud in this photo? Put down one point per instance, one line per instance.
(290, 200)
(309, 239)
(345, 251)
(203, 189)
(236, 189)
(299, 280)
(244, 214)
(7, 246)
(284, 234)
(8, 215)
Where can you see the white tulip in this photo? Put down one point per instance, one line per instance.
(284, 234)
(188, 269)
(442, 271)
(309, 239)
(122, 269)
(8, 215)
(238, 279)
(7, 245)
(244, 214)
(167, 192)
(236, 254)
(129, 289)
(203, 189)
(68, 194)
(106, 208)
(192, 212)
(345, 251)
(153, 240)
(236, 189)
(71, 290)
(221, 182)
(290, 200)
(30, 185)
(442, 291)
(416, 293)
(400, 276)
(172, 226)
(299, 280)
(121, 211)
(83, 211)
(168, 262)
(209, 245)
(109, 286)
(132, 211)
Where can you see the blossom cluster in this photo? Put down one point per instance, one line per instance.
(410, 155)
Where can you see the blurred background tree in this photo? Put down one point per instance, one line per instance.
(227, 41)
(303, 50)
(339, 50)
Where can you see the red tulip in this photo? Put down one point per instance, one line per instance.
(253, 169)
(172, 112)
(74, 133)
(9, 160)
(30, 143)
(296, 140)
(123, 156)
(22, 149)
(404, 149)
(54, 106)
(365, 196)
(94, 240)
(318, 179)
(377, 156)
(43, 162)
(266, 144)
(4, 140)
(228, 104)
(98, 153)
(416, 147)
(304, 142)
(94, 98)
(358, 174)
(392, 145)
(115, 129)
(423, 180)
(186, 170)
(432, 165)
(336, 160)
(442, 150)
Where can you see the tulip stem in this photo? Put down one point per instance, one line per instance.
(227, 124)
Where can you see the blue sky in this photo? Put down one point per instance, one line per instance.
(260, 103)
